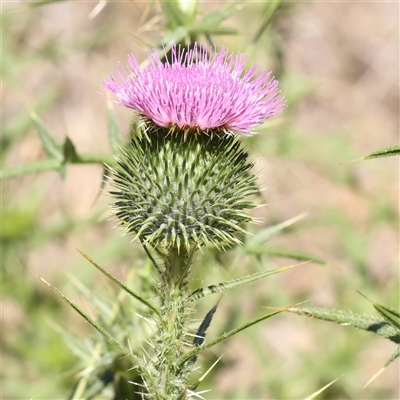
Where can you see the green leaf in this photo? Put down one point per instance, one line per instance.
(74, 343)
(270, 10)
(50, 164)
(221, 15)
(50, 143)
(178, 35)
(95, 325)
(18, 126)
(360, 321)
(69, 152)
(209, 29)
(70, 156)
(121, 285)
(391, 316)
(114, 134)
(297, 255)
(266, 234)
(225, 336)
(388, 152)
(223, 286)
(103, 309)
(175, 17)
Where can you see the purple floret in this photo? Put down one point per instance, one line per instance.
(201, 88)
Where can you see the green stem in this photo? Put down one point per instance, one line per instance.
(50, 164)
(178, 266)
(53, 164)
(95, 159)
(170, 380)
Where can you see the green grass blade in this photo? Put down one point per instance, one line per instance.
(95, 325)
(50, 164)
(223, 286)
(223, 337)
(50, 143)
(121, 285)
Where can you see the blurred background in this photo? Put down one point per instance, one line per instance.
(338, 68)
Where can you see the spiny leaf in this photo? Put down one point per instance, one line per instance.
(95, 325)
(114, 134)
(50, 143)
(388, 152)
(121, 285)
(225, 336)
(223, 286)
(205, 374)
(393, 357)
(390, 315)
(360, 321)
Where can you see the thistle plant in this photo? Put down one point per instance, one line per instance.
(183, 182)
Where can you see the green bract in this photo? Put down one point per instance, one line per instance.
(183, 190)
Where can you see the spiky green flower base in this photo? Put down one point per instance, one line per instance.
(183, 190)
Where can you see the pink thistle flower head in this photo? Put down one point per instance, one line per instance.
(199, 88)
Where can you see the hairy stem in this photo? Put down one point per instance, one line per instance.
(170, 338)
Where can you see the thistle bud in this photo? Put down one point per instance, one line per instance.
(173, 191)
